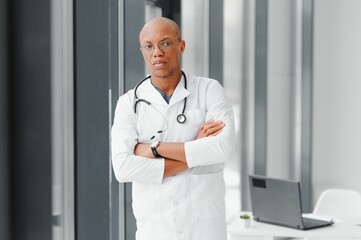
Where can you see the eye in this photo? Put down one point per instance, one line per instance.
(166, 43)
(148, 46)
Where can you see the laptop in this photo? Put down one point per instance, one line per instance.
(278, 201)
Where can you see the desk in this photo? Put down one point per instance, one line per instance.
(264, 231)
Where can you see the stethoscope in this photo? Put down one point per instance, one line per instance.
(181, 118)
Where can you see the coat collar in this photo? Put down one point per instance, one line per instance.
(180, 92)
(148, 92)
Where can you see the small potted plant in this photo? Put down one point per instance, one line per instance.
(246, 220)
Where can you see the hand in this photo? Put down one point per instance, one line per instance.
(143, 150)
(172, 167)
(210, 128)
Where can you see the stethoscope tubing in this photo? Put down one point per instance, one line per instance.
(181, 118)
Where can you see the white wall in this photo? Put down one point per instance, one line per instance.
(337, 95)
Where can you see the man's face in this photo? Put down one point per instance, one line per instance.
(161, 48)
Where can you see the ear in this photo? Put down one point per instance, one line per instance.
(182, 46)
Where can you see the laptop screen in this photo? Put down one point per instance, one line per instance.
(276, 201)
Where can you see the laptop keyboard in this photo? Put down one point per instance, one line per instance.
(309, 222)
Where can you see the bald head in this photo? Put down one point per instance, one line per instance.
(160, 25)
(162, 47)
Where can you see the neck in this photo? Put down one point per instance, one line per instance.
(167, 83)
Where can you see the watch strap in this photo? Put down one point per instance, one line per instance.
(155, 152)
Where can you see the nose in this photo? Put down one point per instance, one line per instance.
(157, 51)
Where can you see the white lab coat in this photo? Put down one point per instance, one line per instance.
(189, 205)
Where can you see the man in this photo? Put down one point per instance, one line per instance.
(171, 136)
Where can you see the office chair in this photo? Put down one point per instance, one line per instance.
(339, 204)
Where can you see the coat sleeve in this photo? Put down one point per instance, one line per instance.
(124, 137)
(216, 149)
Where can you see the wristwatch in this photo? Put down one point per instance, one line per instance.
(153, 147)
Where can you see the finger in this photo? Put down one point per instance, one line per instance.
(214, 129)
(216, 133)
(206, 124)
(211, 125)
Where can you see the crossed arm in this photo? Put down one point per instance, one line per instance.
(174, 153)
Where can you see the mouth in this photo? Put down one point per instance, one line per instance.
(159, 63)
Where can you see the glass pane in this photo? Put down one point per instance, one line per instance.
(232, 83)
(62, 121)
(195, 32)
(152, 11)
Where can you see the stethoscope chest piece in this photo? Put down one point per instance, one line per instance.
(181, 118)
